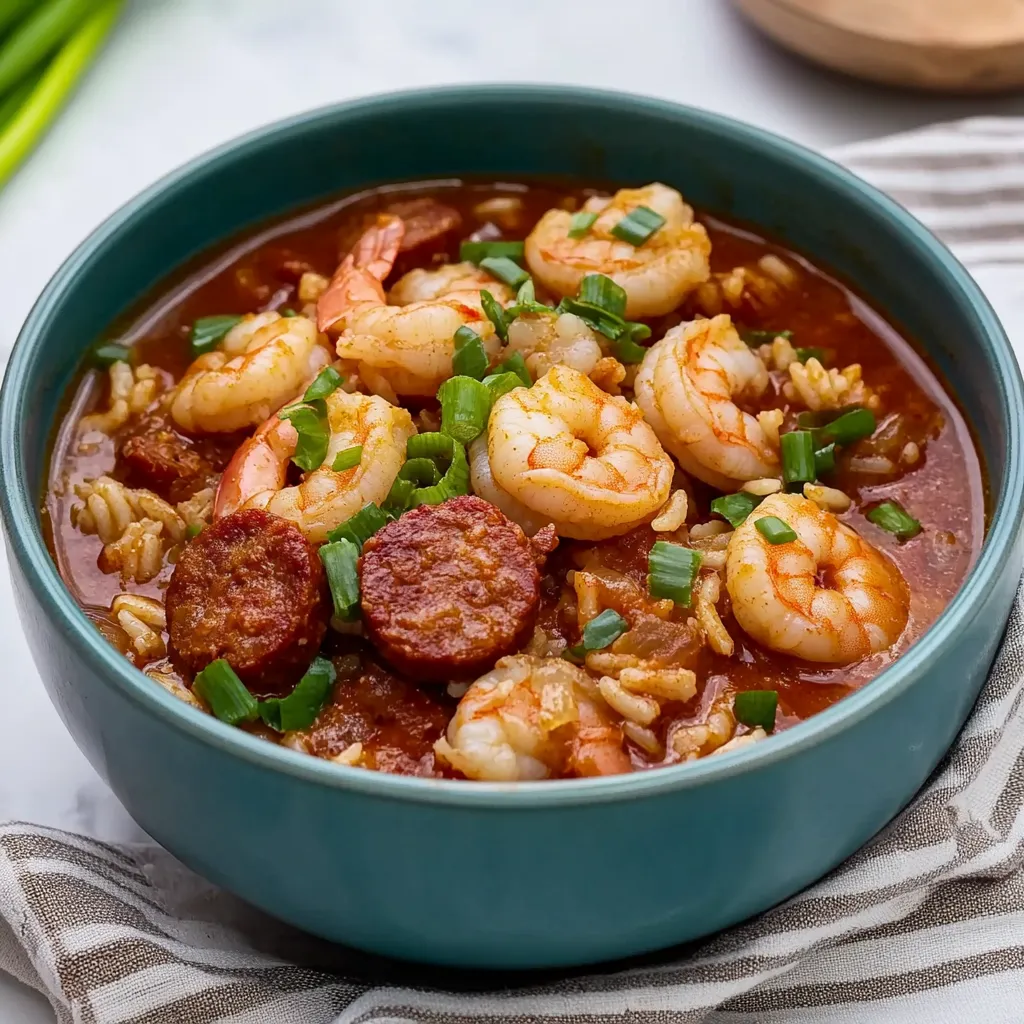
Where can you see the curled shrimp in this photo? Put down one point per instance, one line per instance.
(462, 281)
(483, 486)
(581, 458)
(255, 477)
(531, 718)
(656, 275)
(549, 339)
(687, 388)
(263, 362)
(829, 596)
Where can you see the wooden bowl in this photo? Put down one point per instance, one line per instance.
(966, 46)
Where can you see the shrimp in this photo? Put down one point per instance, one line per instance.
(686, 388)
(464, 281)
(263, 362)
(656, 275)
(829, 596)
(483, 486)
(581, 458)
(255, 477)
(549, 339)
(531, 718)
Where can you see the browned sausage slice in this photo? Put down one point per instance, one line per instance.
(159, 458)
(431, 233)
(448, 589)
(251, 589)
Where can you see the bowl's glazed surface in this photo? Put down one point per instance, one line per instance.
(546, 873)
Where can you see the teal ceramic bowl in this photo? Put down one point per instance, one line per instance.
(534, 874)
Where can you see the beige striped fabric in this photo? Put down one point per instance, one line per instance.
(926, 924)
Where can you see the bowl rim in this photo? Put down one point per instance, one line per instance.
(21, 518)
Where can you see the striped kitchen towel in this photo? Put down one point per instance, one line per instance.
(925, 924)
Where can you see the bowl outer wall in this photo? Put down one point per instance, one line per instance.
(339, 851)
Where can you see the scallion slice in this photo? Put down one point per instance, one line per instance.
(398, 497)
(360, 527)
(600, 632)
(735, 507)
(465, 406)
(811, 352)
(453, 484)
(672, 571)
(526, 302)
(853, 425)
(226, 694)
(347, 458)
(638, 225)
(104, 356)
(341, 563)
(626, 350)
(515, 364)
(494, 312)
(428, 445)
(825, 459)
(310, 422)
(420, 472)
(503, 269)
(299, 709)
(601, 291)
(501, 384)
(193, 530)
(581, 223)
(892, 516)
(288, 311)
(477, 252)
(797, 457)
(470, 358)
(774, 530)
(756, 708)
(755, 338)
(327, 381)
(207, 331)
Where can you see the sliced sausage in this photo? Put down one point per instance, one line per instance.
(251, 589)
(157, 457)
(448, 589)
(431, 233)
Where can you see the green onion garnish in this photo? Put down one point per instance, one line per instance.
(825, 459)
(601, 291)
(421, 472)
(429, 445)
(347, 458)
(891, 516)
(581, 223)
(360, 527)
(103, 356)
(477, 252)
(494, 312)
(515, 364)
(735, 507)
(207, 331)
(774, 530)
(327, 381)
(299, 709)
(455, 480)
(341, 563)
(503, 269)
(638, 225)
(465, 406)
(399, 497)
(288, 311)
(193, 530)
(501, 384)
(755, 338)
(310, 422)
(672, 571)
(756, 708)
(626, 350)
(797, 457)
(849, 427)
(526, 302)
(226, 694)
(470, 358)
(600, 632)
(803, 354)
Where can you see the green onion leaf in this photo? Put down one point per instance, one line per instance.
(735, 507)
(428, 445)
(755, 338)
(341, 563)
(600, 632)
(453, 484)
(774, 530)
(526, 302)
(756, 708)
(825, 459)
(626, 350)
(347, 458)
(465, 406)
(672, 571)
(492, 308)
(470, 358)
(515, 364)
(797, 457)
(327, 381)
(421, 472)
(103, 356)
(638, 225)
(601, 291)
(581, 223)
(501, 384)
(477, 252)
(891, 516)
(803, 354)
(207, 331)
(226, 694)
(398, 497)
(851, 426)
(288, 311)
(193, 530)
(310, 422)
(503, 269)
(360, 527)
(299, 709)
(638, 331)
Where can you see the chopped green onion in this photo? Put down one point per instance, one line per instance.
(755, 338)
(341, 563)
(429, 445)
(492, 308)
(288, 311)
(106, 355)
(421, 472)
(226, 694)
(600, 632)
(477, 252)
(501, 384)
(465, 406)
(399, 496)
(581, 223)
(825, 459)
(891, 516)
(299, 709)
(735, 507)
(193, 530)
(503, 269)
(756, 708)
(526, 302)
(515, 364)
(638, 331)
(774, 530)
(360, 527)
(327, 381)
(347, 458)
(310, 422)
(797, 457)
(813, 352)
(601, 291)
(626, 350)
(453, 483)
(207, 331)
(672, 571)
(638, 225)
(470, 358)
(851, 426)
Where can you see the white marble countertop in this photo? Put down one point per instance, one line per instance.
(181, 77)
